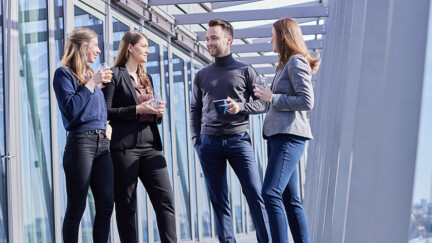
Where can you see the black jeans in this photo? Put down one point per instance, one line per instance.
(87, 162)
(150, 166)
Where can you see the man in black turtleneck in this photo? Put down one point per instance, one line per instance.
(219, 138)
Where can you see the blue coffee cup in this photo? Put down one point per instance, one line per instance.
(221, 106)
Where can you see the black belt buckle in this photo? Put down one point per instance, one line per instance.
(98, 131)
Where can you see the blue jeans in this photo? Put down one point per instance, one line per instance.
(87, 163)
(280, 192)
(214, 151)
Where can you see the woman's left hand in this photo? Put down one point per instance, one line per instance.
(108, 131)
(263, 93)
(160, 109)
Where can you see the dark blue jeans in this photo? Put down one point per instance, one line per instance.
(214, 151)
(87, 163)
(280, 190)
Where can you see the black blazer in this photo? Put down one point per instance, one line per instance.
(121, 101)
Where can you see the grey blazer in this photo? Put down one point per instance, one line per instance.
(293, 96)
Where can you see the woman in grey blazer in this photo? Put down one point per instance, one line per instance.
(286, 127)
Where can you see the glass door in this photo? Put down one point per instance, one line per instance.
(35, 127)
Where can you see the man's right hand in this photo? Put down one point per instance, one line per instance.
(232, 107)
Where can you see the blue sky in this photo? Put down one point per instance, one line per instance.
(423, 176)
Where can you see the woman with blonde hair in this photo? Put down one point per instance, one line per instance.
(86, 160)
(136, 146)
(286, 128)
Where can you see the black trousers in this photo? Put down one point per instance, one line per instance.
(87, 162)
(150, 166)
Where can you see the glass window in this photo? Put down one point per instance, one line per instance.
(257, 142)
(3, 189)
(119, 29)
(236, 197)
(86, 20)
(153, 68)
(205, 205)
(35, 121)
(202, 194)
(183, 200)
(167, 118)
(143, 210)
(167, 145)
(193, 187)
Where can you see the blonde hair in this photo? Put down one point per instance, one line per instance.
(75, 53)
(131, 37)
(289, 41)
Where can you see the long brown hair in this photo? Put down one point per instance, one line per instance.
(75, 53)
(289, 41)
(132, 37)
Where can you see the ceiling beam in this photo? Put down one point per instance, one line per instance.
(230, 3)
(249, 15)
(265, 70)
(258, 59)
(272, 70)
(268, 47)
(262, 32)
(170, 2)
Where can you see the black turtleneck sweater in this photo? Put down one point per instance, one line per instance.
(225, 77)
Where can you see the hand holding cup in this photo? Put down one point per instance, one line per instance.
(146, 108)
(105, 72)
(232, 107)
(220, 106)
(160, 108)
(263, 93)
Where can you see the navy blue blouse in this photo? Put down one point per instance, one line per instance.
(81, 109)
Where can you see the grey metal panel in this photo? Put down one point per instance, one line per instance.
(170, 2)
(333, 103)
(268, 47)
(53, 119)
(267, 14)
(349, 83)
(258, 59)
(325, 215)
(383, 167)
(261, 32)
(135, 8)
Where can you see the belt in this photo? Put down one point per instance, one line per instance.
(97, 131)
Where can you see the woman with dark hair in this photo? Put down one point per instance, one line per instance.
(136, 146)
(286, 127)
(86, 160)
